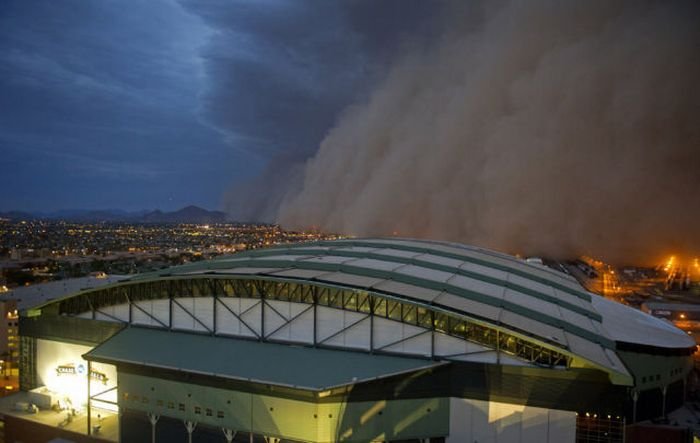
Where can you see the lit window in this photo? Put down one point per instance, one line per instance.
(220, 414)
(171, 405)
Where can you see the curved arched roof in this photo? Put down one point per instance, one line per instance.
(493, 287)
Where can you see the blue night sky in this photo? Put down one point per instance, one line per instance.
(161, 103)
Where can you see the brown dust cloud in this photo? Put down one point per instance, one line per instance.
(553, 128)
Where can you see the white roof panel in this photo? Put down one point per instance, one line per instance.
(357, 249)
(572, 299)
(469, 306)
(425, 273)
(407, 290)
(477, 286)
(579, 320)
(299, 273)
(533, 303)
(247, 270)
(484, 270)
(350, 279)
(371, 263)
(531, 284)
(588, 350)
(396, 253)
(438, 260)
(628, 325)
(327, 259)
(289, 257)
(534, 327)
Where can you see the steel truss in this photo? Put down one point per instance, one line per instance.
(374, 305)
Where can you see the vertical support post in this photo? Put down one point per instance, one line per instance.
(214, 308)
(89, 411)
(315, 301)
(432, 333)
(170, 307)
(153, 419)
(664, 388)
(262, 315)
(189, 425)
(131, 315)
(635, 397)
(229, 435)
(498, 347)
(371, 324)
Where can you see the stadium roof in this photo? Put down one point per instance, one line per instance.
(499, 289)
(546, 306)
(631, 326)
(30, 296)
(304, 367)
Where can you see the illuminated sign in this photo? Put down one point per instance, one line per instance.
(99, 376)
(65, 369)
(71, 369)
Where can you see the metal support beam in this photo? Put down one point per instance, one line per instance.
(288, 321)
(351, 325)
(427, 331)
(194, 317)
(135, 305)
(240, 317)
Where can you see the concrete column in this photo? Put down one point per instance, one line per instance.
(663, 402)
(153, 418)
(229, 435)
(189, 425)
(635, 397)
(89, 410)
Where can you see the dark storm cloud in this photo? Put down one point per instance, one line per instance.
(139, 102)
(280, 72)
(99, 107)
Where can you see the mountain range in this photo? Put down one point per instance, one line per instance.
(188, 214)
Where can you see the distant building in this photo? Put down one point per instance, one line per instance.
(350, 340)
(9, 335)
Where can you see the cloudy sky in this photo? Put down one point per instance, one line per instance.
(163, 103)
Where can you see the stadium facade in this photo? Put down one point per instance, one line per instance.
(352, 340)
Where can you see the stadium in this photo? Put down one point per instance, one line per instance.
(356, 340)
